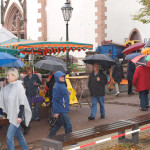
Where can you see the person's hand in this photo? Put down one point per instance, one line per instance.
(56, 115)
(69, 92)
(19, 120)
(98, 79)
(35, 83)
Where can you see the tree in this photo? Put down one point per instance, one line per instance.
(144, 13)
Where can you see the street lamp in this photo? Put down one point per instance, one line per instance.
(67, 13)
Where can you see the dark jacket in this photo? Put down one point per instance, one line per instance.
(50, 85)
(130, 70)
(31, 89)
(60, 100)
(117, 72)
(97, 88)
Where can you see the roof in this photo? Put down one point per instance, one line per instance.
(113, 43)
(5, 35)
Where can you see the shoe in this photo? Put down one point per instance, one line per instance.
(147, 106)
(143, 109)
(102, 116)
(91, 118)
(117, 93)
(131, 93)
(26, 130)
(38, 119)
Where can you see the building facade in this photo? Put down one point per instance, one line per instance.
(93, 21)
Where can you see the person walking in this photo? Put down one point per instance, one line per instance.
(96, 85)
(60, 105)
(117, 74)
(130, 73)
(141, 80)
(14, 103)
(32, 83)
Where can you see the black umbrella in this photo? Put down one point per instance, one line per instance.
(102, 59)
(50, 65)
(50, 57)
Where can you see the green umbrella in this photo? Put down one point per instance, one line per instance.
(9, 51)
(148, 58)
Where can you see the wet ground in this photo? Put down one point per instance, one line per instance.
(117, 108)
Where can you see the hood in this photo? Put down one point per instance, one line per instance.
(17, 82)
(57, 75)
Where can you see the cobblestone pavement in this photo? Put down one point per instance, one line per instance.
(117, 108)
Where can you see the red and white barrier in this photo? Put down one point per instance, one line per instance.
(108, 139)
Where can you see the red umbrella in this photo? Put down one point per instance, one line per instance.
(136, 59)
(142, 60)
(132, 48)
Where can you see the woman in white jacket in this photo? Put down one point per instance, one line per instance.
(14, 103)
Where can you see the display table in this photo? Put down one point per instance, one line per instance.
(79, 82)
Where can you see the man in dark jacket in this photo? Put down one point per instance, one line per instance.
(97, 82)
(117, 74)
(130, 73)
(60, 104)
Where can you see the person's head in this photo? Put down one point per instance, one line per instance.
(28, 70)
(96, 67)
(12, 75)
(59, 76)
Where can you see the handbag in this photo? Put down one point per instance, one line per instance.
(37, 99)
(53, 121)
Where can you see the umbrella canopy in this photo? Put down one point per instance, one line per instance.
(17, 64)
(146, 51)
(131, 56)
(10, 51)
(148, 43)
(102, 59)
(44, 48)
(50, 57)
(72, 59)
(134, 47)
(50, 65)
(142, 60)
(6, 58)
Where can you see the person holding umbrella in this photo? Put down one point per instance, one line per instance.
(117, 74)
(96, 85)
(141, 80)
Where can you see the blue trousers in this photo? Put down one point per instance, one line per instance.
(101, 101)
(17, 132)
(35, 111)
(144, 101)
(64, 120)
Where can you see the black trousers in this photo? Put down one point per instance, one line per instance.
(129, 86)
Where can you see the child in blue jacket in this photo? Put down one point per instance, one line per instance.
(60, 104)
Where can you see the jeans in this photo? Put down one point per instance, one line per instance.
(63, 120)
(117, 87)
(101, 100)
(35, 111)
(144, 101)
(129, 86)
(17, 132)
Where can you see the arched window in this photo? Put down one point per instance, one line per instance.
(135, 35)
(14, 21)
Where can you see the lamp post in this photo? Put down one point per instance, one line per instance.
(67, 13)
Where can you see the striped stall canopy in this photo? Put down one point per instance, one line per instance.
(44, 48)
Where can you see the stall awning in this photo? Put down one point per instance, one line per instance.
(44, 48)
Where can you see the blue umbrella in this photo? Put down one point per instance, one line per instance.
(131, 56)
(6, 58)
(17, 64)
